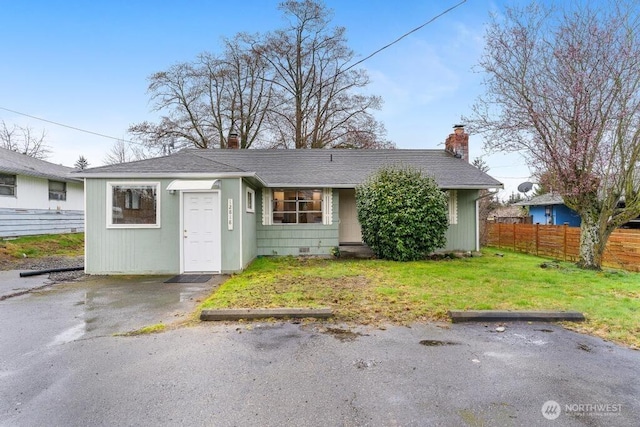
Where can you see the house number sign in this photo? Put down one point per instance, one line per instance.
(230, 214)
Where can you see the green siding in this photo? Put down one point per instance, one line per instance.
(249, 224)
(295, 239)
(230, 189)
(462, 236)
(131, 250)
(155, 250)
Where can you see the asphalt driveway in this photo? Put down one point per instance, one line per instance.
(61, 365)
(99, 305)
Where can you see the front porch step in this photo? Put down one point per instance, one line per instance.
(356, 251)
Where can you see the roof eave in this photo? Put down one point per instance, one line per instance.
(170, 175)
(444, 187)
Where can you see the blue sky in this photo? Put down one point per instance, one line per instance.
(86, 63)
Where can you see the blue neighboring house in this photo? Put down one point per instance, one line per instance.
(549, 209)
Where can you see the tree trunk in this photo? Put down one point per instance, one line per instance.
(592, 244)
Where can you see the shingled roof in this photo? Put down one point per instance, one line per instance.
(302, 168)
(21, 164)
(542, 200)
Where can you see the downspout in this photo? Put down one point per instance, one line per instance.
(477, 225)
(84, 215)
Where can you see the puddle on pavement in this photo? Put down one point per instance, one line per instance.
(528, 340)
(437, 343)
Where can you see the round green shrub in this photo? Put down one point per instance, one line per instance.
(403, 214)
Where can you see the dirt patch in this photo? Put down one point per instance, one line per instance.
(584, 347)
(343, 335)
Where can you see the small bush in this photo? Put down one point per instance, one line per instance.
(403, 214)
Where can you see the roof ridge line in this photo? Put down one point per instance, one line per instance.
(195, 153)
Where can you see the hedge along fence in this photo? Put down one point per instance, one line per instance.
(563, 242)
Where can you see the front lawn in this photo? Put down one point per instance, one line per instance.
(373, 291)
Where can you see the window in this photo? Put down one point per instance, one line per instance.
(7, 185)
(133, 205)
(57, 190)
(251, 200)
(297, 206)
(132, 199)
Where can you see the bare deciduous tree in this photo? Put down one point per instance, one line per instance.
(563, 87)
(208, 99)
(290, 88)
(24, 140)
(318, 101)
(121, 152)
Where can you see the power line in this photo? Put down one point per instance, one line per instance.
(340, 72)
(403, 36)
(68, 126)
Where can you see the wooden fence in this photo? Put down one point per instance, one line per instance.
(563, 242)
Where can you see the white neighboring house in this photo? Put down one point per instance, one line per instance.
(38, 197)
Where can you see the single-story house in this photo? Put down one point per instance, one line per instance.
(216, 210)
(549, 209)
(38, 197)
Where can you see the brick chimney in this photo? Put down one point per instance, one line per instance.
(233, 142)
(457, 143)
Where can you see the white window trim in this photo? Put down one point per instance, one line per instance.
(109, 211)
(453, 206)
(267, 207)
(251, 195)
(327, 206)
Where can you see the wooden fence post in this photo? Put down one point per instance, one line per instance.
(564, 242)
(537, 238)
(514, 236)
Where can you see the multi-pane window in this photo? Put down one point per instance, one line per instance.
(133, 205)
(7, 185)
(57, 190)
(251, 200)
(297, 206)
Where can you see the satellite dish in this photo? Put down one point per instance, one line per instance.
(525, 187)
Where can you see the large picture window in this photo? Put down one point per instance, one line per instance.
(297, 206)
(133, 205)
(7, 185)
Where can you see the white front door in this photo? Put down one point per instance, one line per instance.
(350, 231)
(201, 232)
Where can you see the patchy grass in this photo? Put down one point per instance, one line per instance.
(151, 329)
(371, 291)
(41, 246)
